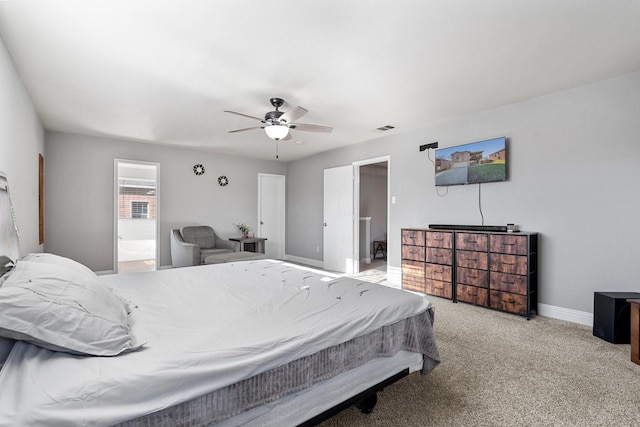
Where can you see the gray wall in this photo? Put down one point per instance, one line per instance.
(80, 186)
(573, 176)
(21, 140)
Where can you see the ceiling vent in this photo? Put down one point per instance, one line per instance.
(385, 128)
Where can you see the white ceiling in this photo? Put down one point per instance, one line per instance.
(163, 71)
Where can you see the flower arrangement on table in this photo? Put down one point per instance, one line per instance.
(244, 228)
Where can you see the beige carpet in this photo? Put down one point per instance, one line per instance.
(501, 370)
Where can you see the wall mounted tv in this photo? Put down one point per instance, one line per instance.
(474, 163)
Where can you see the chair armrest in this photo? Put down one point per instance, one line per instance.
(227, 244)
(183, 254)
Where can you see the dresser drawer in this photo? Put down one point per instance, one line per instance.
(509, 283)
(507, 244)
(439, 239)
(413, 237)
(472, 294)
(413, 283)
(472, 276)
(413, 268)
(506, 301)
(439, 256)
(472, 259)
(439, 288)
(438, 272)
(472, 242)
(415, 253)
(513, 264)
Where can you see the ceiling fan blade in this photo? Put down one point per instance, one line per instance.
(310, 128)
(294, 114)
(245, 115)
(286, 138)
(244, 129)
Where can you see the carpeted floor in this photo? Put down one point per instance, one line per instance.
(501, 370)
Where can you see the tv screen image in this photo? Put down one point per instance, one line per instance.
(474, 163)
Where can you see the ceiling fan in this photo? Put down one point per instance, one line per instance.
(277, 124)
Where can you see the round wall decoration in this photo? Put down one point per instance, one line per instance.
(198, 170)
(223, 180)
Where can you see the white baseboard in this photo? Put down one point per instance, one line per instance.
(104, 272)
(394, 277)
(570, 315)
(307, 261)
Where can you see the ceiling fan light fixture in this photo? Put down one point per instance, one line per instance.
(276, 131)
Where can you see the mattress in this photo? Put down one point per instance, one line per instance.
(204, 329)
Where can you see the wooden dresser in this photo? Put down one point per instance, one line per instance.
(413, 260)
(489, 269)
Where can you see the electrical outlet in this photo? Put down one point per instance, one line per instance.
(317, 248)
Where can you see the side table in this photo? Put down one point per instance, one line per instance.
(379, 245)
(250, 244)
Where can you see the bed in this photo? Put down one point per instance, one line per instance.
(251, 343)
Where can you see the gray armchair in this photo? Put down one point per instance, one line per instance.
(191, 245)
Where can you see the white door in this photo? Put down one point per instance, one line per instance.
(271, 213)
(338, 219)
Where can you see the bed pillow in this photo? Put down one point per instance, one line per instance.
(67, 263)
(29, 269)
(59, 309)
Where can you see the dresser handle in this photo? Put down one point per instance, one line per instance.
(470, 241)
(438, 271)
(508, 263)
(438, 239)
(508, 244)
(508, 283)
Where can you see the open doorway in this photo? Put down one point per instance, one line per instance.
(137, 207)
(373, 208)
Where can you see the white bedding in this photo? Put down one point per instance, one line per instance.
(204, 328)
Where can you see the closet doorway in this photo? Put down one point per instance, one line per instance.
(373, 213)
(136, 216)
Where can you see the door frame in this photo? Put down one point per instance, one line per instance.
(282, 208)
(356, 206)
(116, 211)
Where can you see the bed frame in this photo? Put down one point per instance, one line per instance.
(365, 401)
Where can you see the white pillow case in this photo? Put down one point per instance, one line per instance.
(63, 308)
(68, 268)
(67, 263)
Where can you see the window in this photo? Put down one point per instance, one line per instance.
(140, 210)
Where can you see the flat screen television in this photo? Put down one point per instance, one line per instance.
(474, 163)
